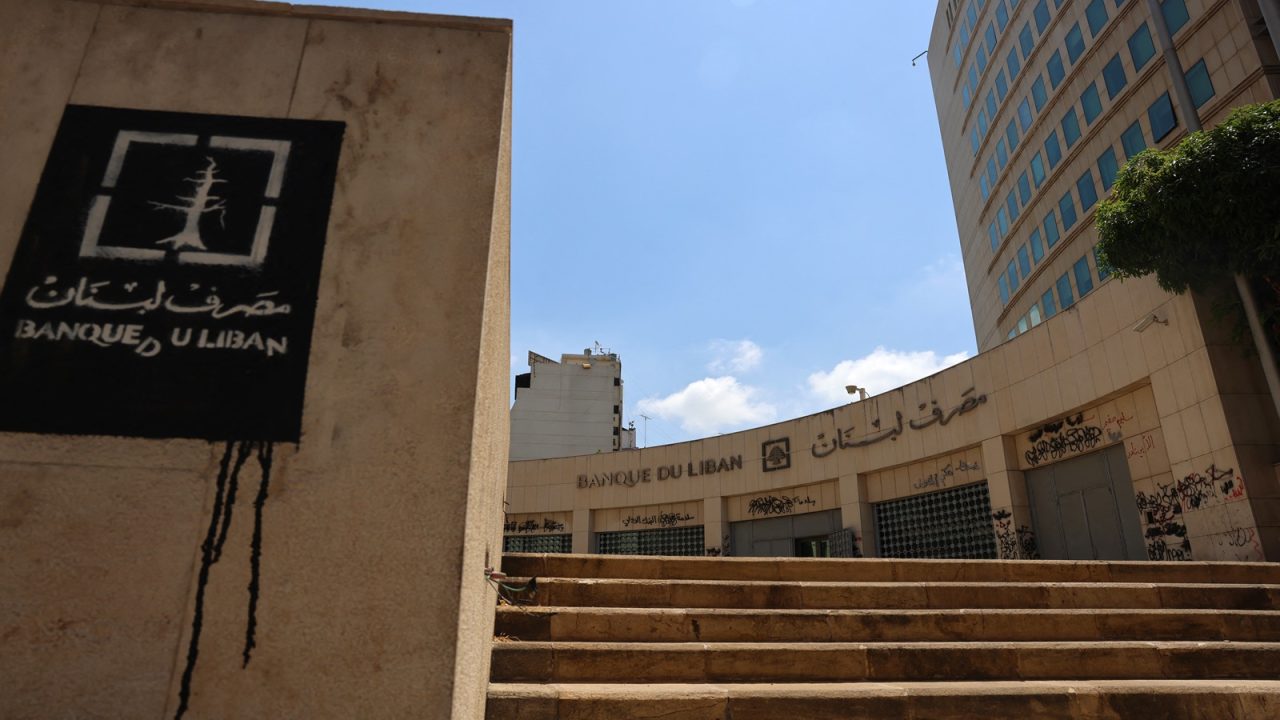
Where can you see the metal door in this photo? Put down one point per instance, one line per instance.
(1084, 509)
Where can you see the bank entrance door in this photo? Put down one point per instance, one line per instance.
(801, 535)
(1083, 509)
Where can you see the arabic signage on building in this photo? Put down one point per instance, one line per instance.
(165, 282)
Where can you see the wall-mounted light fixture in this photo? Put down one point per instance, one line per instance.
(851, 389)
(1147, 321)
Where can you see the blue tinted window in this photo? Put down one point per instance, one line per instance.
(1090, 103)
(991, 105)
(1024, 188)
(1132, 140)
(982, 59)
(1004, 289)
(1024, 115)
(1200, 84)
(1002, 16)
(1075, 43)
(973, 78)
(974, 142)
(1107, 168)
(1070, 127)
(990, 36)
(982, 185)
(1012, 271)
(1088, 191)
(971, 14)
(1050, 307)
(991, 172)
(1037, 246)
(1003, 221)
(1141, 48)
(1056, 71)
(1026, 40)
(1161, 118)
(994, 236)
(1052, 152)
(1113, 75)
(1002, 155)
(1011, 134)
(1038, 94)
(1104, 270)
(1065, 298)
(964, 36)
(1011, 202)
(1051, 228)
(982, 122)
(1175, 13)
(967, 97)
(1041, 15)
(1024, 264)
(957, 54)
(1002, 86)
(1084, 279)
(1037, 169)
(1067, 206)
(1011, 62)
(1096, 14)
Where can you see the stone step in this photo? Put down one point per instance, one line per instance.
(553, 591)
(1174, 700)
(879, 662)
(592, 624)
(883, 570)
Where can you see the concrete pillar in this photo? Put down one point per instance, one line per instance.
(583, 533)
(275, 496)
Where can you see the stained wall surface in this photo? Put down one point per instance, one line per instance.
(365, 602)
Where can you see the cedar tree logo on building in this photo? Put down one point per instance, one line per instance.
(776, 454)
(208, 200)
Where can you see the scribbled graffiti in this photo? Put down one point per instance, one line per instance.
(1056, 440)
(1162, 509)
(1013, 543)
(940, 478)
(666, 519)
(512, 527)
(772, 505)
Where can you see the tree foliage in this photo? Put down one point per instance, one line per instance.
(1202, 210)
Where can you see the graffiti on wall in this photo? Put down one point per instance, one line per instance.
(766, 505)
(1062, 438)
(1162, 509)
(664, 519)
(1013, 543)
(944, 475)
(845, 438)
(170, 262)
(526, 527)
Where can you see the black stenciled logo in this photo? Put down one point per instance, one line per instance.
(776, 454)
(166, 279)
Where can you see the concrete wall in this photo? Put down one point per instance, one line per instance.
(372, 600)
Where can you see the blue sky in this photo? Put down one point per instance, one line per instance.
(746, 200)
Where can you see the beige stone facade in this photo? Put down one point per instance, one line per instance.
(359, 576)
(1092, 431)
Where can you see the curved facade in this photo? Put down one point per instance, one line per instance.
(1101, 420)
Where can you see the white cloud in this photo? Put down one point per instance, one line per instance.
(734, 356)
(880, 371)
(711, 405)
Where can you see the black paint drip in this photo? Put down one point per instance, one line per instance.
(255, 553)
(224, 498)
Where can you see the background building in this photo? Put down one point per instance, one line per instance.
(571, 407)
(1102, 420)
